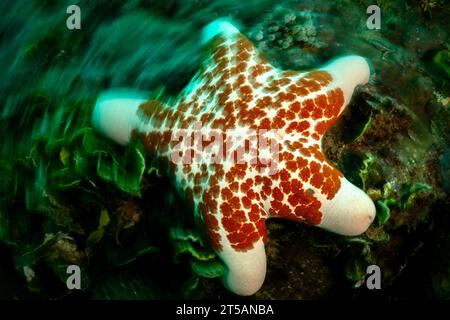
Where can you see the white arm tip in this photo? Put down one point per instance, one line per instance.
(221, 26)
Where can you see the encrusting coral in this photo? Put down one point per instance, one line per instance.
(235, 93)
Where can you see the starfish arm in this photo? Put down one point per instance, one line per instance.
(223, 27)
(245, 270)
(349, 212)
(310, 102)
(231, 70)
(227, 50)
(115, 113)
(318, 194)
(231, 207)
(347, 73)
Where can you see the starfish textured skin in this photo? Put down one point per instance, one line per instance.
(236, 88)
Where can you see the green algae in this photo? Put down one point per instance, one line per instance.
(442, 62)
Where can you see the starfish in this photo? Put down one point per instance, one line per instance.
(233, 193)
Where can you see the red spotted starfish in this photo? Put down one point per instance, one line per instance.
(233, 193)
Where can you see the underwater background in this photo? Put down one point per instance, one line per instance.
(69, 196)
